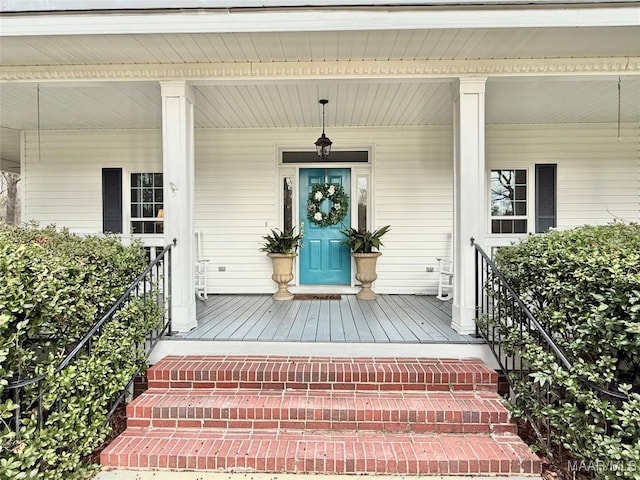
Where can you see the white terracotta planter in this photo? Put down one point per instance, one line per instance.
(366, 273)
(282, 273)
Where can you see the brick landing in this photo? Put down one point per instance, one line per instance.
(321, 415)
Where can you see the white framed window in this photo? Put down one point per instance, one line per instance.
(363, 194)
(509, 201)
(147, 203)
(287, 203)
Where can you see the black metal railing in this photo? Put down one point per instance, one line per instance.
(504, 320)
(152, 285)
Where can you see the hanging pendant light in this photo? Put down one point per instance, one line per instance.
(323, 144)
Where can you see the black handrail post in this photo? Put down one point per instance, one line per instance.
(477, 287)
(169, 291)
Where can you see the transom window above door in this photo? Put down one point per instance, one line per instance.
(147, 203)
(509, 201)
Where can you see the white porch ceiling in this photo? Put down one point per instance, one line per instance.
(434, 44)
(293, 104)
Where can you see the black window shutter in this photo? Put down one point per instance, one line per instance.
(546, 209)
(112, 200)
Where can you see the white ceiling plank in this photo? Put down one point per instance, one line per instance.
(187, 49)
(456, 44)
(263, 47)
(236, 106)
(357, 45)
(241, 48)
(385, 46)
(159, 48)
(218, 50)
(464, 41)
(203, 110)
(253, 108)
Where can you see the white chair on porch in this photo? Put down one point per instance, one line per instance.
(445, 279)
(200, 269)
(445, 275)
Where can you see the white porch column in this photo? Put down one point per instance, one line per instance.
(469, 195)
(178, 170)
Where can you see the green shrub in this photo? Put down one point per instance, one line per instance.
(583, 286)
(56, 285)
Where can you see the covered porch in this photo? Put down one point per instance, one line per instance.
(391, 325)
(161, 124)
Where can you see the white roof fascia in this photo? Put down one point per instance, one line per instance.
(86, 5)
(300, 20)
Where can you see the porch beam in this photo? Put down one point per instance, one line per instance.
(178, 190)
(215, 73)
(469, 195)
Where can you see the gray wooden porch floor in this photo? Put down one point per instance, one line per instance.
(388, 319)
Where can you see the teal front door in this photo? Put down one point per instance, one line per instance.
(323, 259)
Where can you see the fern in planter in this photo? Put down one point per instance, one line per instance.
(362, 244)
(281, 247)
(364, 241)
(281, 242)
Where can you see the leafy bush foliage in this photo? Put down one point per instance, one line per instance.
(55, 286)
(584, 287)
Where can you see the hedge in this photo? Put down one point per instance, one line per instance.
(56, 285)
(583, 285)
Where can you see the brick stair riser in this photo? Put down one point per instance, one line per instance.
(381, 456)
(331, 414)
(328, 466)
(384, 374)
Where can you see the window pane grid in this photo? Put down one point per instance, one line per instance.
(146, 203)
(509, 201)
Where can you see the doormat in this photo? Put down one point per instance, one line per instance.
(317, 296)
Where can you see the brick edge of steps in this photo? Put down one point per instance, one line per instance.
(304, 373)
(466, 412)
(342, 453)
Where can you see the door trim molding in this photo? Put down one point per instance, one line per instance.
(292, 170)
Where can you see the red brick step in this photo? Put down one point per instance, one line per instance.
(366, 374)
(325, 452)
(464, 412)
(322, 415)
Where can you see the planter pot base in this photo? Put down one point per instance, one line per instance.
(283, 293)
(366, 273)
(366, 293)
(282, 274)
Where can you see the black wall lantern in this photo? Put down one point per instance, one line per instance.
(323, 144)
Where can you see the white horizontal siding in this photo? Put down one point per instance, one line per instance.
(237, 186)
(598, 177)
(413, 194)
(236, 200)
(63, 184)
